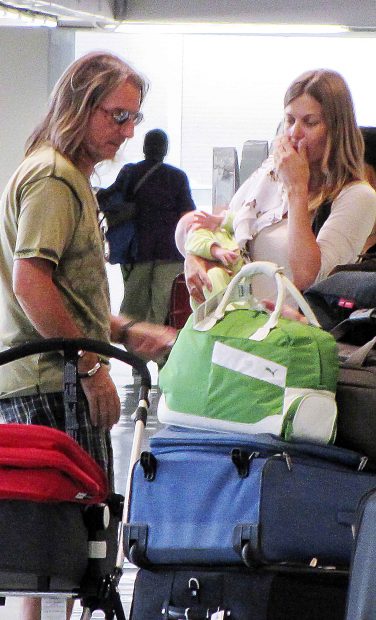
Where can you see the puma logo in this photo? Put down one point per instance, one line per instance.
(272, 372)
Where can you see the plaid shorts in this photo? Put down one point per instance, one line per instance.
(48, 410)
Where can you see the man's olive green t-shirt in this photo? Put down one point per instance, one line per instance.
(48, 210)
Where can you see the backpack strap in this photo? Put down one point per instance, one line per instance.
(147, 174)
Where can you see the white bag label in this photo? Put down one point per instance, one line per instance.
(249, 364)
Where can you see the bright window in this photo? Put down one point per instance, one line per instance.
(222, 89)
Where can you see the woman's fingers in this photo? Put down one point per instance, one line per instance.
(197, 294)
(150, 340)
(287, 311)
(196, 276)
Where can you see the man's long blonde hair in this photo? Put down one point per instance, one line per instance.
(80, 90)
(343, 160)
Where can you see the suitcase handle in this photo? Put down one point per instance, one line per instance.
(359, 357)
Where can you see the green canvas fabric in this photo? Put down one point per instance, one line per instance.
(284, 384)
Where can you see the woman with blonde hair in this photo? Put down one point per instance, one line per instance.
(308, 207)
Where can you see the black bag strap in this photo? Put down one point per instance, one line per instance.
(147, 174)
(322, 214)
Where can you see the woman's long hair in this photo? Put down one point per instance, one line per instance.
(80, 90)
(343, 160)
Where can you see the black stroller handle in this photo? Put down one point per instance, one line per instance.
(72, 346)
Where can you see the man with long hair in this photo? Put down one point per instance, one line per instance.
(52, 271)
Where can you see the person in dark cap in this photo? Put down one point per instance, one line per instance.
(155, 145)
(162, 195)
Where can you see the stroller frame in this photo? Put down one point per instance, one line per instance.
(102, 593)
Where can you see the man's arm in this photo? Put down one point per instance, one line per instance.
(44, 306)
(184, 199)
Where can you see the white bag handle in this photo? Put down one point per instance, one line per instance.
(282, 284)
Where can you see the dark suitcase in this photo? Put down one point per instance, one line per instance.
(356, 401)
(43, 546)
(218, 595)
(362, 588)
(206, 498)
(179, 307)
(345, 304)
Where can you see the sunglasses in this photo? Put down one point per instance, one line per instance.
(123, 116)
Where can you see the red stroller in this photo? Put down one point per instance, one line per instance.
(60, 529)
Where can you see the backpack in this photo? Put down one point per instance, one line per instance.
(119, 226)
(122, 243)
(345, 295)
(119, 215)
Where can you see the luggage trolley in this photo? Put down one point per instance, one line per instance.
(89, 536)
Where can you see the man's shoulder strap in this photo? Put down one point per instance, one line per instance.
(144, 177)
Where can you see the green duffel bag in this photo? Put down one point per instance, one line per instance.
(239, 368)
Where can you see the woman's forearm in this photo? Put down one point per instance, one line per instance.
(303, 250)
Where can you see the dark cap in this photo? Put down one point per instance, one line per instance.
(155, 144)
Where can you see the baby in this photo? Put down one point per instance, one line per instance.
(211, 237)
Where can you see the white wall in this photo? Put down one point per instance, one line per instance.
(31, 61)
(23, 84)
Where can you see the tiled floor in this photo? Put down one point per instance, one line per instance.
(122, 436)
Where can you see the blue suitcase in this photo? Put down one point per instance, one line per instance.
(207, 498)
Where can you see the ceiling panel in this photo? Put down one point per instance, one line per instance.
(346, 12)
(91, 13)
